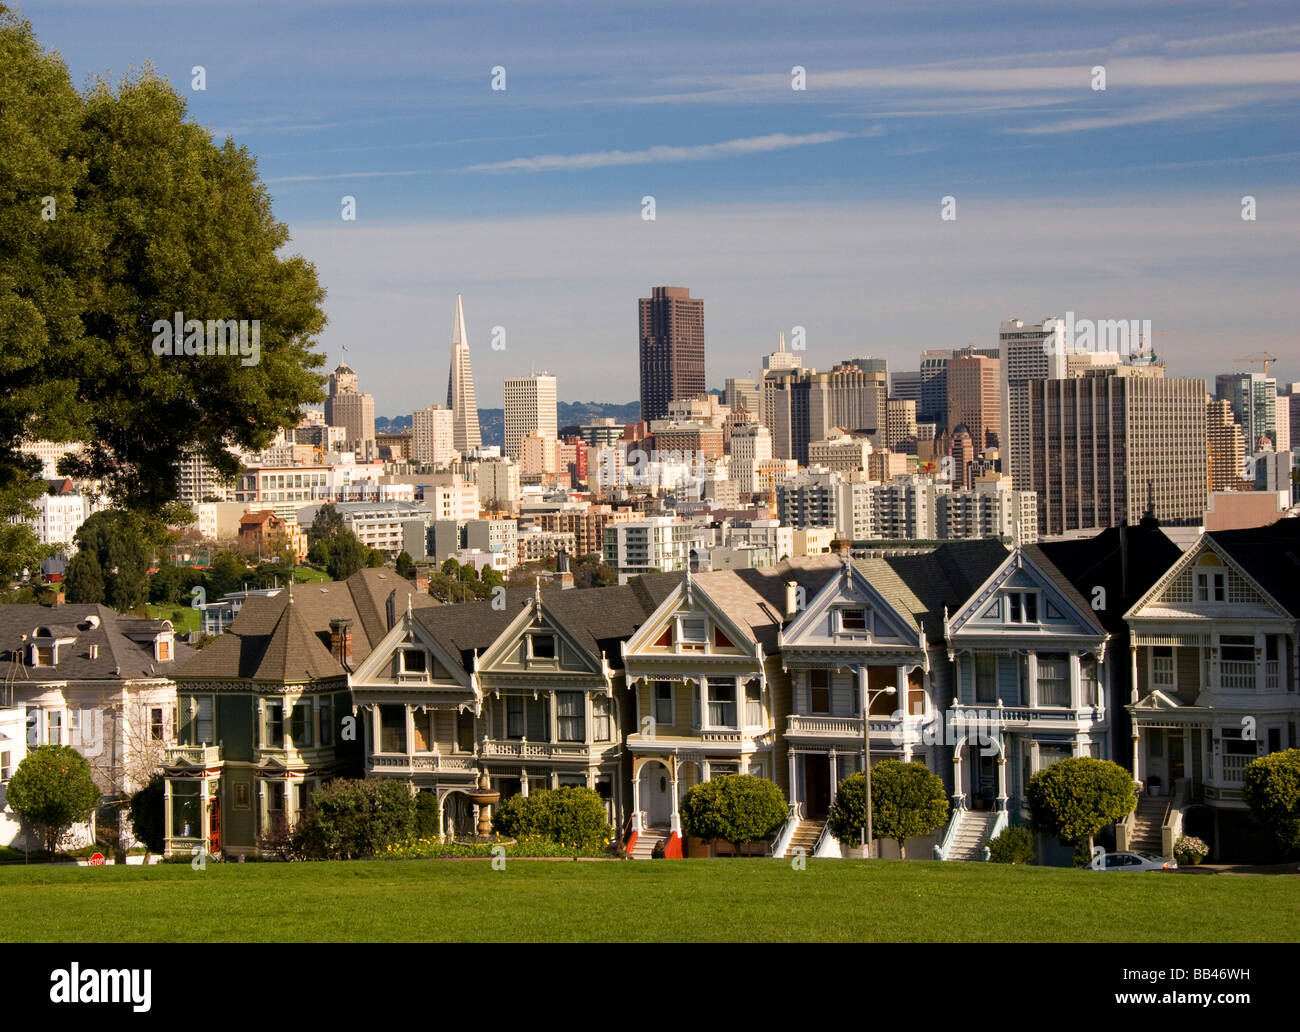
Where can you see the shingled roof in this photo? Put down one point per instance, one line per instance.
(284, 638)
(947, 576)
(1271, 555)
(118, 656)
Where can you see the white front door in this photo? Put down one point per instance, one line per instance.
(656, 795)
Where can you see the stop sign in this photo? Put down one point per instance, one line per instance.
(97, 860)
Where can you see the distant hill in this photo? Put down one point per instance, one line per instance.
(492, 421)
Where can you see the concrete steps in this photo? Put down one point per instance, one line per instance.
(973, 831)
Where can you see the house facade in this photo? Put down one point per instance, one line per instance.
(85, 677)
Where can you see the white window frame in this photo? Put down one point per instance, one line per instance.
(671, 701)
(688, 644)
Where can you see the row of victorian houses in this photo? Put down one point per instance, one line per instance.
(984, 663)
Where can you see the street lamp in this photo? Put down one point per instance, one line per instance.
(868, 697)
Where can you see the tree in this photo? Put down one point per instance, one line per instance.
(736, 808)
(346, 556)
(1015, 845)
(120, 546)
(153, 217)
(405, 564)
(450, 567)
(325, 525)
(375, 559)
(468, 573)
(52, 790)
(349, 819)
(147, 814)
(573, 815)
(907, 800)
(1272, 791)
(1074, 799)
(590, 571)
(228, 573)
(166, 584)
(83, 581)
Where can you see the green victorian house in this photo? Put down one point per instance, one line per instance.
(265, 715)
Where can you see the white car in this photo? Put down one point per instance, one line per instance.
(1132, 862)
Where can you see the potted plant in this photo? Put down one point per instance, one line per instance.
(1189, 850)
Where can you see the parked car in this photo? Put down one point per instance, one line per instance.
(1132, 862)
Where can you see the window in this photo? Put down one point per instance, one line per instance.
(514, 716)
(1089, 688)
(33, 727)
(753, 704)
(1237, 648)
(164, 651)
(422, 726)
(853, 620)
(325, 716)
(663, 703)
(722, 702)
(542, 646)
(157, 726)
(300, 724)
(74, 724)
(464, 731)
(694, 632)
(600, 718)
(392, 729)
(273, 727)
(1053, 679)
(1211, 587)
(5, 761)
(819, 691)
(695, 704)
(570, 717)
(986, 677)
(54, 727)
(203, 733)
(415, 661)
(1162, 666)
(1022, 607)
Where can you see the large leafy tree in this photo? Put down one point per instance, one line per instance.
(907, 800)
(120, 547)
(1074, 799)
(1272, 791)
(115, 213)
(736, 808)
(51, 790)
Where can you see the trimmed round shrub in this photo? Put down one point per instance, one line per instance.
(735, 808)
(572, 815)
(1016, 845)
(907, 800)
(349, 819)
(51, 790)
(1272, 791)
(1074, 799)
(147, 814)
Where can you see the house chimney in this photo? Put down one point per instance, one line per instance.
(791, 599)
(341, 642)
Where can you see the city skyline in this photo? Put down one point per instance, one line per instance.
(818, 208)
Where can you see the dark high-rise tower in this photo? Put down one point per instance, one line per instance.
(672, 349)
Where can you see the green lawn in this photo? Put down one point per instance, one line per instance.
(663, 900)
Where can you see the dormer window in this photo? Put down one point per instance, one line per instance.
(694, 633)
(43, 655)
(1211, 586)
(541, 646)
(853, 619)
(414, 661)
(1022, 607)
(163, 652)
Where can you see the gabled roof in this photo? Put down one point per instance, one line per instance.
(945, 577)
(1270, 556)
(266, 641)
(118, 656)
(1123, 561)
(1039, 568)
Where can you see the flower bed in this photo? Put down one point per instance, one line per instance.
(433, 849)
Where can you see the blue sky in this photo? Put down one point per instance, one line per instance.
(818, 208)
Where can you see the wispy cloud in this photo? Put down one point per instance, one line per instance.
(1138, 116)
(663, 153)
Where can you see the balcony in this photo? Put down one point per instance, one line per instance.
(205, 756)
(425, 763)
(521, 749)
(824, 727)
(1234, 768)
(1235, 676)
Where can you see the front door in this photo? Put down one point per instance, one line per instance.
(1174, 750)
(985, 790)
(817, 785)
(656, 795)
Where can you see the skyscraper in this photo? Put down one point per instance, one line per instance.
(1026, 353)
(1253, 398)
(672, 349)
(1227, 446)
(433, 436)
(1104, 446)
(460, 388)
(530, 406)
(352, 410)
(974, 397)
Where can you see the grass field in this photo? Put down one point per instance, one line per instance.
(753, 900)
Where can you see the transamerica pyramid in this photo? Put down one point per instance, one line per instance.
(460, 388)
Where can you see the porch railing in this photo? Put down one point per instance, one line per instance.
(1234, 768)
(831, 726)
(1236, 676)
(944, 844)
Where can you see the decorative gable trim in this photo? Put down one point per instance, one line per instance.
(1204, 544)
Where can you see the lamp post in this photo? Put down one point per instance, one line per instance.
(868, 697)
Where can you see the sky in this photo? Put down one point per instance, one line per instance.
(818, 207)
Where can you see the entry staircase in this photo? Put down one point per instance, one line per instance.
(965, 839)
(1144, 836)
(646, 840)
(805, 837)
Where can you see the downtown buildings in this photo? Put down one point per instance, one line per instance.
(672, 349)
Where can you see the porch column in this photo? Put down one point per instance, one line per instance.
(1187, 756)
(204, 830)
(959, 795)
(1002, 777)
(636, 797)
(674, 819)
(1137, 755)
(1034, 766)
(289, 808)
(794, 782)
(1072, 665)
(1133, 682)
(523, 782)
(1031, 674)
(835, 779)
(900, 686)
(373, 710)
(167, 816)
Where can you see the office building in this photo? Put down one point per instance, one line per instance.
(530, 407)
(460, 388)
(354, 411)
(672, 349)
(433, 436)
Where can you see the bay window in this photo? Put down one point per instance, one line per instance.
(722, 702)
(570, 716)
